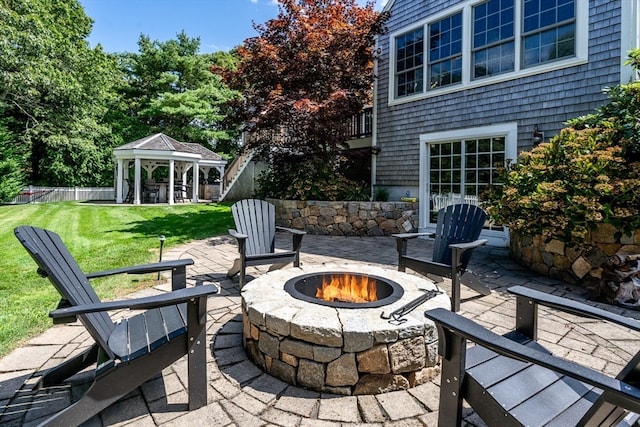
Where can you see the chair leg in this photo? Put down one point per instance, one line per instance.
(242, 279)
(455, 291)
(452, 348)
(278, 266)
(58, 374)
(196, 353)
(89, 405)
(117, 382)
(235, 268)
(401, 247)
(470, 280)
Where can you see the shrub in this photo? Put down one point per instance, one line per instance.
(381, 194)
(587, 174)
(305, 179)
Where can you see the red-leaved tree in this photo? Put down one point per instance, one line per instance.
(303, 77)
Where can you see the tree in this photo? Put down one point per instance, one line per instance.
(307, 72)
(57, 91)
(169, 88)
(11, 175)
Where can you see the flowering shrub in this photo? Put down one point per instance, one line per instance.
(587, 174)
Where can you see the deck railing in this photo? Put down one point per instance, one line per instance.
(361, 125)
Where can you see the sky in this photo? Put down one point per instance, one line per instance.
(220, 24)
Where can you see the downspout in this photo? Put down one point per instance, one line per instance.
(374, 121)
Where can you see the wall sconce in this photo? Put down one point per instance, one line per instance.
(538, 136)
(375, 150)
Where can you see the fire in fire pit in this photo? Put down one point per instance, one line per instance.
(344, 290)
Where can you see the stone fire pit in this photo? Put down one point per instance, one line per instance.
(346, 351)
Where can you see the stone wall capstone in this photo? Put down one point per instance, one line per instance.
(345, 218)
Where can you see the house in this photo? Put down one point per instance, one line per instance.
(464, 85)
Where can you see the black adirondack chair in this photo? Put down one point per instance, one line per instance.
(255, 232)
(512, 380)
(457, 232)
(129, 352)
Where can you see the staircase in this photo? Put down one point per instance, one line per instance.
(234, 172)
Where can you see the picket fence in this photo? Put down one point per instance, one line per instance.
(35, 194)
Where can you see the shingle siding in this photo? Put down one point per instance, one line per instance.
(548, 99)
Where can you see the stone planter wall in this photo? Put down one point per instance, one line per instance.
(343, 218)
(571, 264)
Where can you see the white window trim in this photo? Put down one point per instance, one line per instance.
(507, 130)
(582, 52)
(630, 38)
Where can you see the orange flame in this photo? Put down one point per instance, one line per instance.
(347, 288)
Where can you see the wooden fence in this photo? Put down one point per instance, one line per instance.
(33, 194)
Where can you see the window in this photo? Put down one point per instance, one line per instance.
(459, 171)
(477, 43)
(493, 50)
(445, 51)
(457, 166)
(549, 31)
(409, 63)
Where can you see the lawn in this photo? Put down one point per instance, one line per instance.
(100, 237)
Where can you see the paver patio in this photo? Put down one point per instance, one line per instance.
(242, 395)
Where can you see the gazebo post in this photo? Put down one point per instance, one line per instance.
(119, 181)
(171, 181)
(136, 182)
(221, 171)
(195, 183)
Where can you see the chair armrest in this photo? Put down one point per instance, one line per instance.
(574, 307)
(469, 245)
(412, 235)
(237, 235)
(143, 269)
(290, 230)
(448, 323)
(145, 303)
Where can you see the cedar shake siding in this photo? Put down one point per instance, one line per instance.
(546, 99)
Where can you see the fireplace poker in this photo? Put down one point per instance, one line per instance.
(396, 316)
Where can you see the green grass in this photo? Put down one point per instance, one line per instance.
(100, 237)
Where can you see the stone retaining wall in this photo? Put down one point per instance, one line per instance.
(344, 218)
(570, 263)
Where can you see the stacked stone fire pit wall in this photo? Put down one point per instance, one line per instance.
(571, 264)
(347, 218)
(335, 350)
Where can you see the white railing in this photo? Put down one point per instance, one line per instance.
(441, 201)
(35, 194)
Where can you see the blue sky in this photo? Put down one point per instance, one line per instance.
(220, 24)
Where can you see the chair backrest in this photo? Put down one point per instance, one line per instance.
(460, 223)
(54, 260)
(256, 219)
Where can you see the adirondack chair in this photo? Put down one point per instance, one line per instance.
(457, 232)
(255, 233)
(131, 351)
(512, 380)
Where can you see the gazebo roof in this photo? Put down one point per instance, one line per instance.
(162, 142)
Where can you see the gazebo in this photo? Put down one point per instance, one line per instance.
(161, 150)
